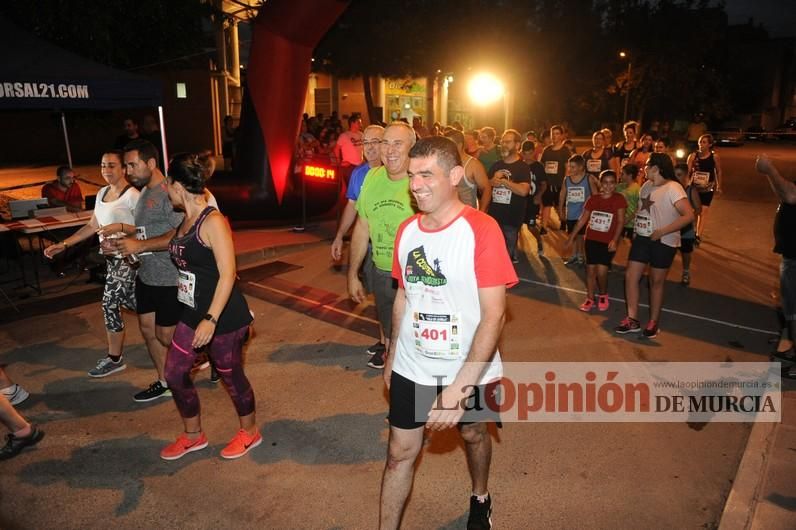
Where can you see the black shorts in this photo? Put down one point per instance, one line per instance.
(158, 299)
(628, 232)
(551, 195)
(531, 211)
(706, 197)
(410, 401)
(597, 253)
(645, 250)
(571, 227)
(686, 245)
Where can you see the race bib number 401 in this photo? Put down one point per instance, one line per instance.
(437, 335)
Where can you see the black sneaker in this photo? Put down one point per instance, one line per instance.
(154, 391)
(15, 444)
(379, 347)
(480, 514)
(214, 377)
(377, 361)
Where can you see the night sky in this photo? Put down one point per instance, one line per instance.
(777, 16)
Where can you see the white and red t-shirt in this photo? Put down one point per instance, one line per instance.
(441, 271)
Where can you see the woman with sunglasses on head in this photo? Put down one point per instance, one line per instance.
(663, 210)
(215, 313)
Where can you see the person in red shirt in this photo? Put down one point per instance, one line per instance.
(604, 216)
(64, 191)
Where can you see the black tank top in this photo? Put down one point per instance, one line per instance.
(708, 165)
(198, 280)
(785, 231)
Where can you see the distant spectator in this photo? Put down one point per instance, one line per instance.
(130, 133)
(150, 130)
(64, 191)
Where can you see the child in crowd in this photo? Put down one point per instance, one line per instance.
(604, 217)
(687, 233)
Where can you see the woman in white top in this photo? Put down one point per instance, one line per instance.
(113, 216)
(663, 209)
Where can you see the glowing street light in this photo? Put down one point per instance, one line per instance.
(485, 89)
(626, 55)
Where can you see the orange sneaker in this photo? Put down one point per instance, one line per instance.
(241, 444)
(183, 446)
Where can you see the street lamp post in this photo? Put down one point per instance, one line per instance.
(625, 55)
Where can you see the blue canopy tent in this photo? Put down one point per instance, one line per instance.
(38, 75)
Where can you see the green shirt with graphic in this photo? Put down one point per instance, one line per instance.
(631, 196)
(385, 204)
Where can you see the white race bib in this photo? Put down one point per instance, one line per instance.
(594, 165)
(186, 287)
(600, 221)
(551, 167)
(701, 179)
(576, 194)
(501, 195)
(438, 335)
(643, 225)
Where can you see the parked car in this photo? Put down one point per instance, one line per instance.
(787, 131)
(756, 134)
(729, 136)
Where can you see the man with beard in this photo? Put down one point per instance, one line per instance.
(511, 184)
(156, 283)
(383, 204)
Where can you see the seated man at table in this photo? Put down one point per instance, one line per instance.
(64, 191)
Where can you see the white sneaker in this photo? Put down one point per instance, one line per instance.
(15, 394)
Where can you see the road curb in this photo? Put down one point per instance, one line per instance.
(253, 257)
(744, 496)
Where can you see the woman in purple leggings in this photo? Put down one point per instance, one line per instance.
(215, 315)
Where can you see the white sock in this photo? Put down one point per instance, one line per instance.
(481, 498)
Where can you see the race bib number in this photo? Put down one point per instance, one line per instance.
(437, 335)
(600, 221)
(186, 287)
(701, 179)
(643, 225)
(501, 195)
(576, 194)
(551, 167)
(594, 165)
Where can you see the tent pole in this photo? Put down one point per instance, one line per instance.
(163, 139)
(66, 139)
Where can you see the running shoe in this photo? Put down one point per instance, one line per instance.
(581, 261)
(214, 376)
(106, 366)
(15, 394)
(15, 444)
(602, 302)
(651, 331)
(787, 356)
(377, 361)
(480, 514)
(540, 251)
(376, 348)
(241, 444)
(155, 390)
(182, 446)
(628, 325)
(686, 280)
(571, 261)
(587, 306)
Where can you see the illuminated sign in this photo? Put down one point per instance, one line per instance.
(319, 172)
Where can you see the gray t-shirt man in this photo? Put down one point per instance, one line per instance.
(154, 216)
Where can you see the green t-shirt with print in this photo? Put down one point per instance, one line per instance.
(631, 196)
(385, 204)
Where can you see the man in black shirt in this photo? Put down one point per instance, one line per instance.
(510, 178)
(784, 244)
(538, 188)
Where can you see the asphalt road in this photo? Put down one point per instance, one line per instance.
(321, 410)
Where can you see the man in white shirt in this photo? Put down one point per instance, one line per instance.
(348, 149)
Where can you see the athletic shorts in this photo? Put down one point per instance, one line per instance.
(550, 196)
(645, 250)
(385, 287)
(406, 397)
(787, 287)
(597, 253)
(706, 197)
(686, 245)
(530, 214)
(571, 227)
(158, 299)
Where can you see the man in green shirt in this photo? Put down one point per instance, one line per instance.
(384, 203)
